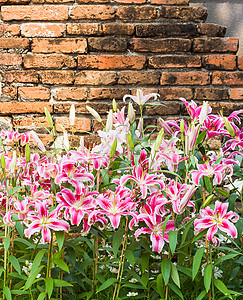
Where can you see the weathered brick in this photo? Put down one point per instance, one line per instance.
(11, 43)
(31, 122)
(109, 44)
(24, 107)
(9, 29)
(136, 12)
(48, 61)
(80, 125)
(80, 108)
(227, 78)
(175, 61)
(111, 62)
(161, 45)
(107, 93)
(34, 13)
(131, 1)
(95, 78)
(211, 29)
(71, 93)
(164, 110)
(215, 44)
(52, 1)
(227, 107)
(43, 30)
(219, 62)
(20, 76)
(136, 77)
(166, 30)
(170, 2)
(6, 123)
(84, 28)
(175, 93)
(63, 45)
(118, 29)
(93, 12)
(184, 13)
(146, 91)
(236, 94)
(34, 93)
(185, 78)
(240, 62)
(9, 59)
(211, 94)
(10, 91)
(92, 1)
(57, 77)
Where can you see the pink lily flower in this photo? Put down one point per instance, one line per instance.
(194, 111)
(86, 157)
(217, 219)
(141, 99)
(214, 126)
(43, 221)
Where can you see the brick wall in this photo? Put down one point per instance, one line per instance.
(57, 52)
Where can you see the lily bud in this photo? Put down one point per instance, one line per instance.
(109, 121)
(49, 118)
(3, 163)
(81, 144)
(131, 113)
(38, 141)
(204, 112)
(72, 115)
(182, 126)
(65, 140)
(13, 162)
(113, 148)
(130, 141)
(94, 113)
(208, 200)
(159, 139)
(114, 105)
(27, 153)
(187, 197)
(229, 127)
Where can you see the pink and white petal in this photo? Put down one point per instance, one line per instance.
(142, 230)
(115, 220)
(211, 232)
(229, 228)
(233, 217)
(46, 235)
(203, 223)
(157, 242)
(220, 208)
(33, 228)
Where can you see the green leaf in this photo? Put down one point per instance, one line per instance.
(59, 238)
(201, 136)
(32, 277)
(18, 225)
(160, 285)
(208, 184)
(176, 290)
(61, 264)
(130, 257)
(166, 270)
(117, 240)
(6, 243)
(197, 261)
(185, 231)
(7, 293)
(61, 283)
(49, 286)
(15, 263)
(145, 262)
(165, 223)
(42, 296)
(37, 260)
(175, 275)
(172, 240)
(208, 276)
(106, 284)
(202, 233)
(222, 287)
(224, 258)
(201, 295)
(185, 270)
(222, 192)
(134, 286)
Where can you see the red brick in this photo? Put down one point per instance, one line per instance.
(161, 45)
(20, 76)
(147, 12)
(215, 44)
(57, 77)
(227, 107)
(8, 59)
(32, 122)
(219, 62)
(240, 62)
(43, 30)
(170, 2)
(184, 13)
(80, 125)
(175, 93)
(92, 1)
(48, 61)
(10, 91)
(174, 61)
(95, 78)
(118, 29)
(185, 78)
(164, 110)
(136, 77)
(131, 1)
(52, 1)
(211, 94)
(34, 93)
(236, 94)
(63, 45)
(80, 108)
(92, 12)
(107, 93)
(107, 44)
(227, 78)
(111, 62)
(34, 13)
(11, 43)
(71, 93)
(9, 29)
(166, 30)
(84, 28)
(23, 107)
(210, 29)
